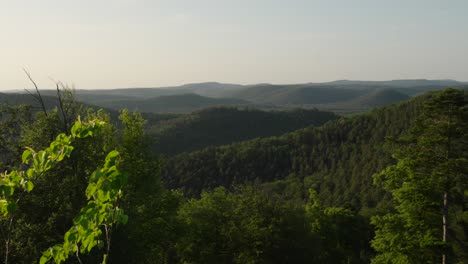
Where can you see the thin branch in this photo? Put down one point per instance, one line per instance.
(39, 97)
(31, 94)
(59, 95)
(78, 255)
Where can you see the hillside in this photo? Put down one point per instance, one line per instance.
(16, 99)
(377, 98)
(171, 103)
(407, 83)
(341, 96)
(210, 89)
(337, 159)
(218, 126)
(309, 194)
(298, 94)
(51, 102)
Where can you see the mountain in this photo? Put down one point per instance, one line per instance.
(16, 99)
(221, 125)
(172, 103)
(377, 98)
(298, 94)
(337, 159)
(51, 102)
(342, 96)
(402, 83)
(211, 89)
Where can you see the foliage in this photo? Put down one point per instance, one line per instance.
(12, 119)
(243, 227)
(150, 236)
(344, 235)
(303, 197)
(222, 125)
(250, 225)
(337, 159)
(102, 212)
(39, 162)
(427, 185)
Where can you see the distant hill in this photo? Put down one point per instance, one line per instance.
(52, 102)
(402, 83)
(218, 126)
(172, 103)
(336, 159)
(298, 94)
(16, 99)
(211, 89)
(377, 98)
(333, 96)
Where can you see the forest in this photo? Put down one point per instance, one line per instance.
(85, 184)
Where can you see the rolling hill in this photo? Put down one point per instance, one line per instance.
(298, 94)
(376, 98)
(16, 99)
(172, 103)
(337, 159)
(219, 126)
(342, 96)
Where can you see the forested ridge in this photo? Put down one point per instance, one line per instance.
(338, 159)
(222, 125)
(341, 96)
(356, 189)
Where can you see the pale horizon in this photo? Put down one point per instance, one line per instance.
(125, 44)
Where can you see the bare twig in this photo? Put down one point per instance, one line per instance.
(59, 95)
(38, 97)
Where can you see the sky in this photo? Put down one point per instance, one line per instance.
(91, 44)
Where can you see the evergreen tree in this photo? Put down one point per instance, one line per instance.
(428, 185)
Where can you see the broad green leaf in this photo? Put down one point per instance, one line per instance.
(27, 154)
(46, 256)
(112, 155)
(11, 207)
(29, 186)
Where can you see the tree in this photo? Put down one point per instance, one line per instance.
(151, 234)
(48, 212)
(428, 185)
(343, 235)
(12, 120)
(99, 217)
(16, 183)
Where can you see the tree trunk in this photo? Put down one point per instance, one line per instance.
(445, 210)
(444, 226)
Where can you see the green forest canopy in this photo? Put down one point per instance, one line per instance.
(305, 196)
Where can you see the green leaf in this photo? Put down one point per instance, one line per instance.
(30, 173)
(46, 256)
(29, 186)
(3, 206)
(90, 190)
(112, 155)
(7, 190)
(76, 128)
(85, 133)
(11, 207)
(27, 154)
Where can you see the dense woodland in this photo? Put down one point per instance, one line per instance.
(227, 185)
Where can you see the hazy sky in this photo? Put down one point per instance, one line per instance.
(139, 43)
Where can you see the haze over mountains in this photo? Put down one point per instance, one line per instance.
(341, 96)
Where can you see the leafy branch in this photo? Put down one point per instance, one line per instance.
(14, 184)
(101, 213)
